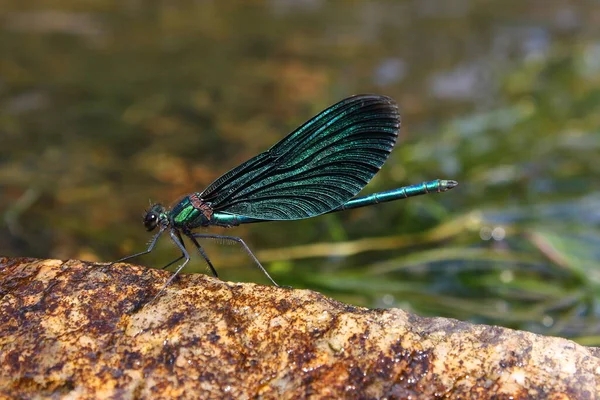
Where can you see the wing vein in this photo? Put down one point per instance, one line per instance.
(314, 169)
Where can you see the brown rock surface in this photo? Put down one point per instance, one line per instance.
(75, 330)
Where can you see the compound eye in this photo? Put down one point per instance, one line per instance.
(150, 220)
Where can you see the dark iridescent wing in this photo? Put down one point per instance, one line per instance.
(314, 169)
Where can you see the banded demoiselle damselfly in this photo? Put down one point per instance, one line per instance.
(316, 169)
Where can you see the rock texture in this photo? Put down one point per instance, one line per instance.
(80, 330)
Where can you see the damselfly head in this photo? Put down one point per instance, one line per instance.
(154, 216)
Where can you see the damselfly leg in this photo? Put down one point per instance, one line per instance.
(235, 239)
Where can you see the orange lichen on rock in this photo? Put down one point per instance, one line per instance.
(81, 330)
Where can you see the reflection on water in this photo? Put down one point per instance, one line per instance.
(106, 105)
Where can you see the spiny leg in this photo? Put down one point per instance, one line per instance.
(238, 240)
(173, 262)
(179, 244)
(150, 248)
(203, 254)
(180, 257)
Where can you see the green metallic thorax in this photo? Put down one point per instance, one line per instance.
(191, 212)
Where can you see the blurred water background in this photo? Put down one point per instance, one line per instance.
(107, 104)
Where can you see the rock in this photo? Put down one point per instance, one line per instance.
(82, 330)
